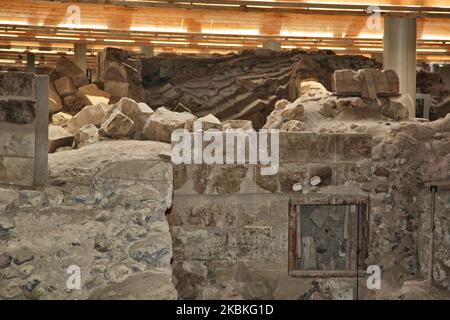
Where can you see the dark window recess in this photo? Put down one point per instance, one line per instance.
(328, 239)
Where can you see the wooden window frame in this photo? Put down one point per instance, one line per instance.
(361, 238)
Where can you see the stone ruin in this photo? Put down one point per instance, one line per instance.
(352, 190)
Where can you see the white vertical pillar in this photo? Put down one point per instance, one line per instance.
(80, 55)
(148, 51)
(399, 54)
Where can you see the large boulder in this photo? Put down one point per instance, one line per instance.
(395, 110)
(117, 125)
(163, 122)
(88, 115)
(90, 94)
(72, 103)
(138, 112)
(64, 86)
(117, 89)
(67, 68)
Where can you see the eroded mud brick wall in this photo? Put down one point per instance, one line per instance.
(229, 223)
(235, 86)
(23, 128)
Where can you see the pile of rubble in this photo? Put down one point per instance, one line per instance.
(235, 86)
(126, 119)
(70, 89)
(367, 94)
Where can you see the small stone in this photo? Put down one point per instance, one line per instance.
(297, 187)
(293, 112)
(315, 181)
(238, 124)
(103, 216)
(25, 271)
(101, 243)
(165, 155)
(381, 172)
(292, 126)
(207, 122)
(438, 136)
(281, 104)
(5, 261)
(22, 255)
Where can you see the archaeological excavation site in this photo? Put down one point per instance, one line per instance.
(224, 150)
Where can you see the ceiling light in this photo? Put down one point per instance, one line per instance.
(288, 33)
(220, 44)
(56, 38)
(248, 32)
(119, 40)
(170, 42)
(431, 50)
(331, 48)
(82, 26)
(159, 29)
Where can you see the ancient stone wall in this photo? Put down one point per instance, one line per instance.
(229, 223)
(23, 128)
(103, 211)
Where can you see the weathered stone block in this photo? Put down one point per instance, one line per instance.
(87, 134)
(117, 125)
(207, 122)
(346, 82)
(307, 147)
(65, 87)
(69, 69)
(163, 122)
(117, 89)
(17, 111)
(72, 103)
(19, 84)
(238, 124)
(16, 171)
(91, 95)
(61, 119)
(90, 114)
(17, 140)
(58, 137)
(353, 147)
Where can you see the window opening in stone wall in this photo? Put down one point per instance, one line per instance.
(328, 239)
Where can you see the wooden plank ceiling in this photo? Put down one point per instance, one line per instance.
(50, 28)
